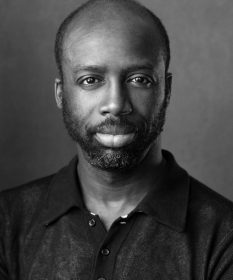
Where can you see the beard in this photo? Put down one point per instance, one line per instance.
(114, 159)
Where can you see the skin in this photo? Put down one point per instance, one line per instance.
(110, 70)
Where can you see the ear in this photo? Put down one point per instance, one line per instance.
(168, 86)
(58, 88)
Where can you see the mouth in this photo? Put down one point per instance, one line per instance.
(114, 140)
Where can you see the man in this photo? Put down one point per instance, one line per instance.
(123, 208)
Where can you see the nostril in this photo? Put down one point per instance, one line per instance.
(116, 108)
(116, 99)
(127, 111)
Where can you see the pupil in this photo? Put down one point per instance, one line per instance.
(139, 79)
(90, 80)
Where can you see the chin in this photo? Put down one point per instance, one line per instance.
(113, 160)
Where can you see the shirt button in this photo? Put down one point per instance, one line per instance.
(92, 223)
(105, 252)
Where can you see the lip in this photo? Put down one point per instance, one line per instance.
(115, 130)
(114, 140)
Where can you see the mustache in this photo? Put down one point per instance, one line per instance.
(116, 126)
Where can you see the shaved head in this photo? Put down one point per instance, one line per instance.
(117, 14)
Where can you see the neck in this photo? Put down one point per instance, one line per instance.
(118, 192)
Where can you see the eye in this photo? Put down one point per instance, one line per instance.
(140, 81)
(89, 81)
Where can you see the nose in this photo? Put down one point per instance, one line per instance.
(116, 100)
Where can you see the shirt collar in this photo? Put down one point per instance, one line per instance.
(64, 193)
(167, 204)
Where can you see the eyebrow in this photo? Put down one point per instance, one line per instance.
(102, 69)
(136, 67)
(94, 68)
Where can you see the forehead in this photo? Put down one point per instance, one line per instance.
(113, 41)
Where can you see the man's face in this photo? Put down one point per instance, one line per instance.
(113, 94)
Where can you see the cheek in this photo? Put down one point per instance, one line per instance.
(147, 104)
(80, 103)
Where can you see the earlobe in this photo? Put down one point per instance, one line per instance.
(58, 92)
(168, 81)
(168, 86)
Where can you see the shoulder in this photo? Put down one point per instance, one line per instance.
(205, 211)
(27, 192)
(207, 200)
(22, 201)
(210, 215)
(210, 224)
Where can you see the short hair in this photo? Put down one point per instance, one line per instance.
(132, 5)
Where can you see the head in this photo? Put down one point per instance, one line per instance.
(96, 11)
(114, 87)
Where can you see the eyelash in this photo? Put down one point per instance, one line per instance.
(83, 82)
(145, 81)
(86, 79)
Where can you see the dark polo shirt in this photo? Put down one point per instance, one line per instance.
(181, 230)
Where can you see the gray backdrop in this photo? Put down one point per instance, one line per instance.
(199, 132)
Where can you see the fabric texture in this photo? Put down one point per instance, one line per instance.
(180, 230)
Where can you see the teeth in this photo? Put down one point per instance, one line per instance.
(114, 141)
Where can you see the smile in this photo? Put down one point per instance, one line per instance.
(114, 141)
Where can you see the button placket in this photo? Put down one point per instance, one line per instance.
(123, 219)
(92, 222)
(105, 252)
(109, 247)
